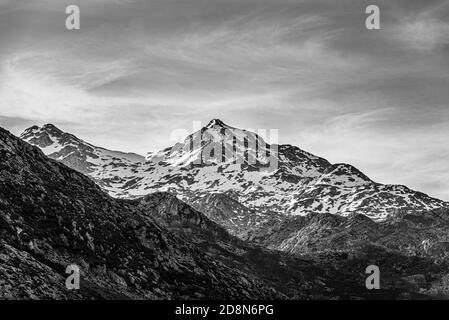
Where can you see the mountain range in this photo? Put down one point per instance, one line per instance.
(158, 247)
(234, 192)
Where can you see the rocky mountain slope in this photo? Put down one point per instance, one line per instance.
(322, 235)
(247, 180)
(421, 233)
(158, 247)
(52, 216)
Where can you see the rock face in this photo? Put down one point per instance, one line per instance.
(420, 234)
(158, 247)
(422, 237)
(227, 174)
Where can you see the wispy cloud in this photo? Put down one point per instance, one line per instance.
(376, 99)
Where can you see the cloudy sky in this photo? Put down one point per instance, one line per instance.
(137, 70)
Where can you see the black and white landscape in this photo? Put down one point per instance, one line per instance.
(347, 171)
(219, 230)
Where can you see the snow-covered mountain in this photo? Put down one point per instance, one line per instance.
(217, 143)
(245, 179)
(78, 154)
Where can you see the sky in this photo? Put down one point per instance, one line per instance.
(138, 70)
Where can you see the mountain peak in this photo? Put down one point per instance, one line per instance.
(45, 129)
(49, 126)
(52, 128)
(217, 122)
